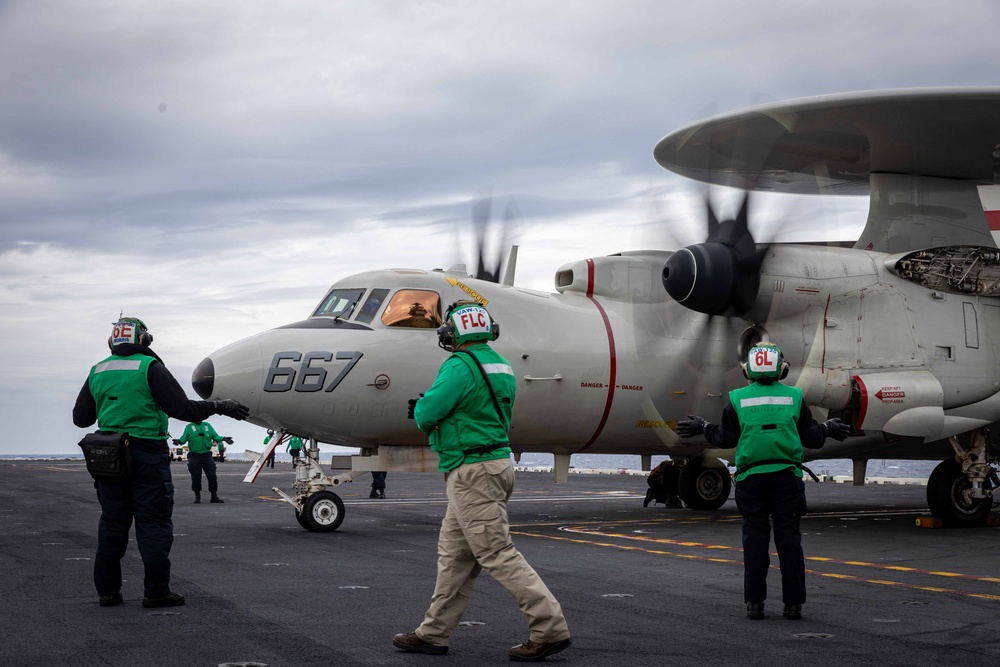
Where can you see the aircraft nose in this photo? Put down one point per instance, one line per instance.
(203, 378)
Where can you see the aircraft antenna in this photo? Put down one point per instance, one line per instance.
(508, 273)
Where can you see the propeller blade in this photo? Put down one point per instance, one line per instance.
(719, 276)
(491, 237)
(481, 216)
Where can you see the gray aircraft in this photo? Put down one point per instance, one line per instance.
(899, 335)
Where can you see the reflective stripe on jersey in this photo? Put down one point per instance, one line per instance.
(118, 365)
(765, 400)
(498, 368)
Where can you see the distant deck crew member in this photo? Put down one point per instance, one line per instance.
(199, 436)
(294, 447)
(663, 482)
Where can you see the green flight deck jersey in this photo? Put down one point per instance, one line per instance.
(768, 417)
(458, 412)
(125, 403)
(199, 437)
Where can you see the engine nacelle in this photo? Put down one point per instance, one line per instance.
(627, 276)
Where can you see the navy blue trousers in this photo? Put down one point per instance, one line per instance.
(777, 498)
(148, 497)
(378, 480)
(197, 463)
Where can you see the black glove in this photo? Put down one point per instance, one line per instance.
(227, 440)
(692, 426)
(231, 408)
(410, 405)
(176, 441)
(837, 429)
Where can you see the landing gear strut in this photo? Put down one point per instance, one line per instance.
(960, 490)
(316, 508)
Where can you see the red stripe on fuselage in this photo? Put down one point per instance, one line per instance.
(864, 403)
(993, 220)
(822, 363)
(611, 347)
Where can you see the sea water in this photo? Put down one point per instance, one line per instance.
(832, 467)
(826, 467)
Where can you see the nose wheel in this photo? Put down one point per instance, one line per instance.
(322, 512)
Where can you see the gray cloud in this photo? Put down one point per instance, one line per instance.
(202, 159)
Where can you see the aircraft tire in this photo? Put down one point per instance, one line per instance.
(322, 512)
(944, 497)
(704, 486)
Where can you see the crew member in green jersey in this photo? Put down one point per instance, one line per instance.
(294, 447)
(199, 436)
(466, 413)
(133, 392)
(769, 424)
(269, 463)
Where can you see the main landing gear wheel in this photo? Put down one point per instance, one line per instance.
(322, 512)
(945, 500)
(704, 486)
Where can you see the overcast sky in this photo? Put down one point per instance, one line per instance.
(212, 167)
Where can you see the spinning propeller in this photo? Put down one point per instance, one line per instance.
(489, 260)
(718, 277)
(721, 275)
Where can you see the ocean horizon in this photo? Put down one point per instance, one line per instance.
(891, 468)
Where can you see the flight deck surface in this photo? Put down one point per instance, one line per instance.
(639, 586)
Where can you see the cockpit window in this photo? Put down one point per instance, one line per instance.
(413, 308)
(339, 303)
(371, 306)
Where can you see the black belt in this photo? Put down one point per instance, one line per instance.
(740, 471)
(485, 449)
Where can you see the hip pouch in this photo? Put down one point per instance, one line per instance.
(108, 456)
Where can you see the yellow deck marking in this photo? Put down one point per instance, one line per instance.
(580, 529)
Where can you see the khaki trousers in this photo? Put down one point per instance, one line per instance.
(475, 536)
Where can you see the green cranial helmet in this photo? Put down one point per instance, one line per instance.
(465, 322)
(765, 362)
(129, 330)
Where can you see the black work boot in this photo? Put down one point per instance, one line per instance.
(216, 498)
(755, 611)
(197, 497)
(168, 600)
(792, 612)
(110, 600)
